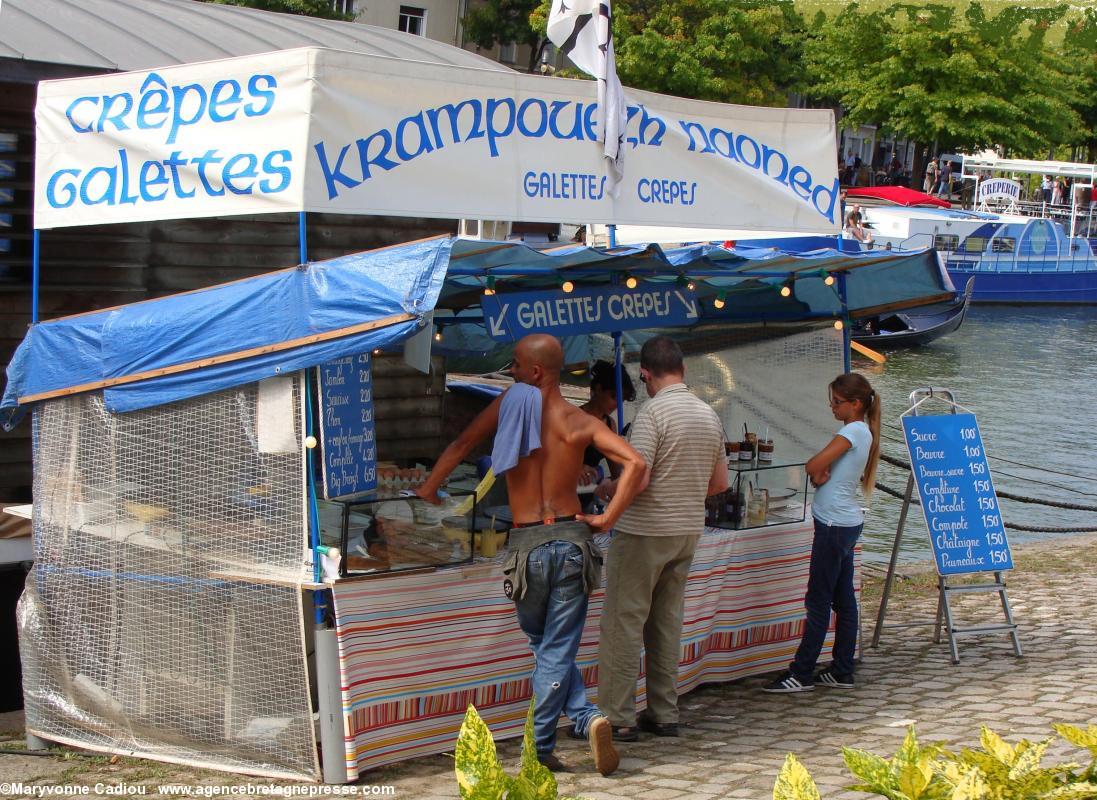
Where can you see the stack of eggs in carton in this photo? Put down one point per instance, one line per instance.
(391, 478)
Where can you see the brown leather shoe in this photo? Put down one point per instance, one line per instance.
(552, 762)
(623, 733)
(649, 725)
(600, 734)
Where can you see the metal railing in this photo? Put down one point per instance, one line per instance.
(1082, 215)
(1071, 255)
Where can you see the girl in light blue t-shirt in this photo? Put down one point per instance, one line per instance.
(835, 471)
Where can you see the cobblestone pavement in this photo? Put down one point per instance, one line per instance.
(734, 738)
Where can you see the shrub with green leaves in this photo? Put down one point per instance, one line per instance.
(998, 771)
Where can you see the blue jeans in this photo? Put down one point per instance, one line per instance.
(830, 585)
(552, 614)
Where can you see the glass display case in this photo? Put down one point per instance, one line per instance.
(759, 495)
(380, 534)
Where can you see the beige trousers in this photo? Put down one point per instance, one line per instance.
(645, 596)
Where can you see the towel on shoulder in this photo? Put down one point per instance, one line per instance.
(519, 431)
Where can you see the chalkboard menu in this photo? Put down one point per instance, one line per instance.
(957, 494)
(347, 440)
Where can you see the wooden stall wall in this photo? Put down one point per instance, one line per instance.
(16, 153)
(408, 409)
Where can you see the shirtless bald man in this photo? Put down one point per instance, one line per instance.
(553, 563)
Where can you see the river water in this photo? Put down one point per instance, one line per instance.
(1029, 373)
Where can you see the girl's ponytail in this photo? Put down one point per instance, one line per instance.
(872, 417)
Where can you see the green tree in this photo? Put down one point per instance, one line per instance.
(506, 21)
(307, 8)
(732, 51)
(965, 80)
(1080, 47)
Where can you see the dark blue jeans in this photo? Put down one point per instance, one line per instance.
(830, 585)
(552, 614)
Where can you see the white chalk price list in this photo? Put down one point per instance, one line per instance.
(985, 497)
(347, 425)
(957, 494)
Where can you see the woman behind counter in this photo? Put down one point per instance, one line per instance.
(849, 459)
(602, 404)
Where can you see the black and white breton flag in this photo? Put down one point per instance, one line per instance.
(583, 29)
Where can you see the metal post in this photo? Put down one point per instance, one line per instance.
(314, 517)
(938, 620)
(332, 745)
(34, 278)
(1008, 612)
(617, 368)
(617, 357)
(894, 561)
(319, 598)
(950, 625)
(846, 333)
(34, 744)
(302, 238)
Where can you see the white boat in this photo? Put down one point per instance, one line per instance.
(1018, 252)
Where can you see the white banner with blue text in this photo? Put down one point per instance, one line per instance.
(328, 131)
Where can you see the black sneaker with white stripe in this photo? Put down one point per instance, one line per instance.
(833, 680)
(788, 683)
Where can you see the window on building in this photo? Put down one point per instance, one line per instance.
(413, 20)
(343, 7)
(508, 52)
(946, 242)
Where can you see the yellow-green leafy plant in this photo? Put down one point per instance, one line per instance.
(1086, 738)
(794, 782)
(1016, 771)
(998, 771)
(480, 775)
(909, 775)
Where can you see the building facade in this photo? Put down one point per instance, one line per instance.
(442, 21)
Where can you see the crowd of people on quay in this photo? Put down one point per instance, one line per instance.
(940, 179)
(654, 500)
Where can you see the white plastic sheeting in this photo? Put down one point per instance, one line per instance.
(163, 615)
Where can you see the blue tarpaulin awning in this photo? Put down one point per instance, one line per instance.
(163, 350)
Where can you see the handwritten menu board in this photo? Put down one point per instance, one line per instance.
(349, 447)
(957, 494)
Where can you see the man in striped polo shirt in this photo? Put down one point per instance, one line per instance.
(682, 440)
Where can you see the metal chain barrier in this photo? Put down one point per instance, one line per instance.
(914, 501)
(898, 462)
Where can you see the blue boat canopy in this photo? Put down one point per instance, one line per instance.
(160, 351)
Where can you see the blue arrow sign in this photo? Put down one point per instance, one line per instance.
(509, 317)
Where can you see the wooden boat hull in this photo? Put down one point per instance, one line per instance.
(913, 328)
